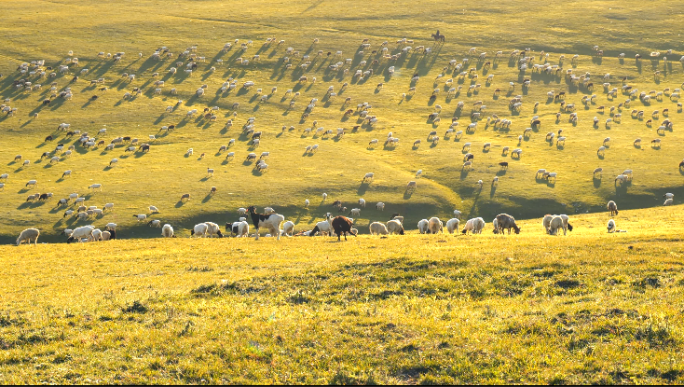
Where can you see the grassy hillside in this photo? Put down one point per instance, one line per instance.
(49, 30)
(588, 308)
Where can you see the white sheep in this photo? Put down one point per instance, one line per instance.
(435, 225)
(611, 226)
(474, 226)
(288, 228)
(200, 230)
(423, 226)
(27, 235)
(452, 225)
(377, 228)
(380, 206)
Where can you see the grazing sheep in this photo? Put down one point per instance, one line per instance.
(380, 206)
(612, 207)
(452, 225)
(288, 228)
(28, 235)
(505, 221)
(200, 230)
(377, 228)
(474, 226)
(342, 226)
(423, 226)
(435, 225)
(240, 229)
(555, 224)
(185, 197)
(362, 202)
(79, 233)
(394, 226)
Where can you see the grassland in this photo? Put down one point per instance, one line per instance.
(48, 30)
(588, 308)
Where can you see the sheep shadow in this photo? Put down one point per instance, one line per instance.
(180, 204)
(363, 188)
(492, 191)
(501, 172)
(464, 173)
(597, 182)
(207, 198)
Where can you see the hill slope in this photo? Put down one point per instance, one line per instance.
(162, 175)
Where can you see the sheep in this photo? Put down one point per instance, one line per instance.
(394, 226)
(612, 207)
(200, 230)
(423, 226)
(380, 206)
(32, 183)
(27, 235)
(79, 233)
(611, 226)
(555, 224)
(435, 225)
(342, 225)
(240, 229)
(95, 187)
(185, 197)
(324, 226)
(108, 206)
(377, 228)
(505, 221)
(288, 228)
(452, 225)
(272, 221)
(601, 151)
(474, 225)
(368, 177)
(668, 202)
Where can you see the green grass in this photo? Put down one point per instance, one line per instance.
(48, 30)
(414, 309)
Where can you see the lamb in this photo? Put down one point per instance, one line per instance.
(435, 225)
(505, 221)
(452, 225)
(27, 235)
(362, 202)
(474, 225)
(394, 226)
(377, 228)
(611, 226)
(380, 206)
(612, 207)
(272, 221)
(668, 202)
